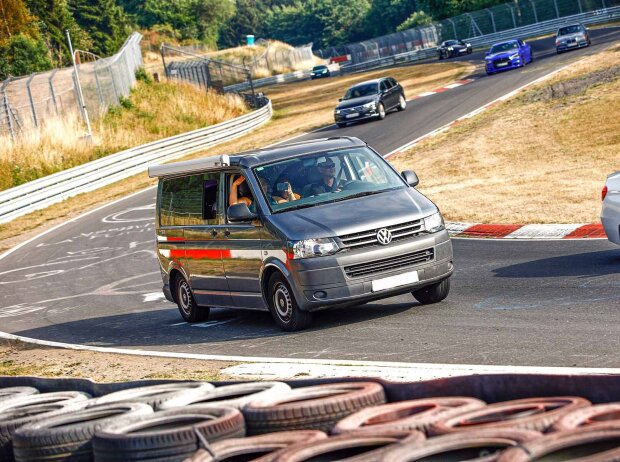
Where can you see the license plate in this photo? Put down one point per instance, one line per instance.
(350, 116)
(395, 281)
(572, 44)
(502, 64)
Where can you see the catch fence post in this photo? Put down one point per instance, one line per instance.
(32, 108)
(52, 93)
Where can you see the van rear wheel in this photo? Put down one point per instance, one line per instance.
(188, 308)
(283, 307)
(433, 293)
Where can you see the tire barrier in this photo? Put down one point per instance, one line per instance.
(474, 445)
(8, 393)
(596, 445)
(263, 448)
(416, 414)
(154, 395)
(200, 422)
(529, 414)
(361, 447)
(237, 396)
(173, 434)
(70, 434)
(590, 417)
(311, 408)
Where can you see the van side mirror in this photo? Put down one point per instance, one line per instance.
(240, 212)
(411, 178)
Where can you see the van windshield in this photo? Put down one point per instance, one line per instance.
(324, 177)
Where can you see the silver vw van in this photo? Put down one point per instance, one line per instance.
(294, 229)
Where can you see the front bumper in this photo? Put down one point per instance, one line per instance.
(323, 282)
(362, 113)
(318, 76)
(610, 217)
(571, 45)
(492, 67)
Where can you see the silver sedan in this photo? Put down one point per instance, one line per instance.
(610, 214)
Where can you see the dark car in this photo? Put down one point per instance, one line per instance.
(571, 37)
(370, 99)
(319, 71)
(508, 55)
(453, 48)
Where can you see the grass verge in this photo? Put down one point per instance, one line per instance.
(152, 111)
(18, 358)
(541, 157)
(298, 108)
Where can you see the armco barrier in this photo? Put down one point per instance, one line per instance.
(51, 189)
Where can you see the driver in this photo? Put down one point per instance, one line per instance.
(328, 183)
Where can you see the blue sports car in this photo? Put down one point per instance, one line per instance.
(508, 55)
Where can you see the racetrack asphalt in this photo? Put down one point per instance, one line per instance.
(96, 280)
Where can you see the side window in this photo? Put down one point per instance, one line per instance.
(239, 192)
(520, 42)
(392, 82)
(189, 200)
(384, 86)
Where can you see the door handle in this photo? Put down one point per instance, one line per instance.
(213, 233)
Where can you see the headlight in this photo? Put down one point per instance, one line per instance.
(313, 248)
(450, 48)
(515, 56)
(370, 105)
(338, 111)
(434, 223)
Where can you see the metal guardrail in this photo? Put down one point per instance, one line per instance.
(51, 189)
(541, 28)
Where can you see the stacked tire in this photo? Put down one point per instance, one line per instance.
(270, 422)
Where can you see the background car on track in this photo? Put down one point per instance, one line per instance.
(370, 99)
(452, 48)
(571, 37)
(610, 213)
(319, 72)
(508, 55)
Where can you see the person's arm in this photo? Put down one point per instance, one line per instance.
(233, 196)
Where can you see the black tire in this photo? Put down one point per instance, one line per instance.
(68, 436)
(433, 293)
(283, 306)
(167, 435)
(311, 408)
(402, 103)
(341, 124)
(188, 308)
(381, 111)
(154, 395)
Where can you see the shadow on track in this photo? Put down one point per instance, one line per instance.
(588, 264)
(164, 327)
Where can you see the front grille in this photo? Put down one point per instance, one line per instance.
(385, 264)
(369, 238)
(497, 62)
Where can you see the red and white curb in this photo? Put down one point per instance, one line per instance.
(544, 231)
(288, 368)
(456, 84)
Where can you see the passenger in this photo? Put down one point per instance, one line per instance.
(285, 192)
(236, 198)
(328, 183)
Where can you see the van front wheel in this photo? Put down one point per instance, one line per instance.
(283, 307)
(188, 308)
(433, 293)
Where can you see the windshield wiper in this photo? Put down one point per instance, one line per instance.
(296, 207)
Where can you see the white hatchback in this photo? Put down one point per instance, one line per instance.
(610, 214)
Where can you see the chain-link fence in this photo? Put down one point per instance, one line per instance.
(27, 102)
(512, 15)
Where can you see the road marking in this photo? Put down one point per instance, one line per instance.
(335, 368)
(213, 323)
(153, 297)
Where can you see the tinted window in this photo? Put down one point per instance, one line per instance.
(570, 30)
(384, 85)
(319, 68)
(190, 200)
(393, 82)
(449, 43)
(500, 47)
(358, 91)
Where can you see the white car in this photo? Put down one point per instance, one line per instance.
(610, 214)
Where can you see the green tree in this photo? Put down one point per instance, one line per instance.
(22, 55)
(54, 19)
(418, 18)
(106, 23)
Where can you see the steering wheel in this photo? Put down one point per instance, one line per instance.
(351, 184)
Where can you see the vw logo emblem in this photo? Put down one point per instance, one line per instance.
(384, 236)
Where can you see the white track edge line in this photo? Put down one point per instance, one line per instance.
(473, 368)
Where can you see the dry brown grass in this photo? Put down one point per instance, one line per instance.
(529, 160)
(17, 358)
(153, 111)
(298, 108)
